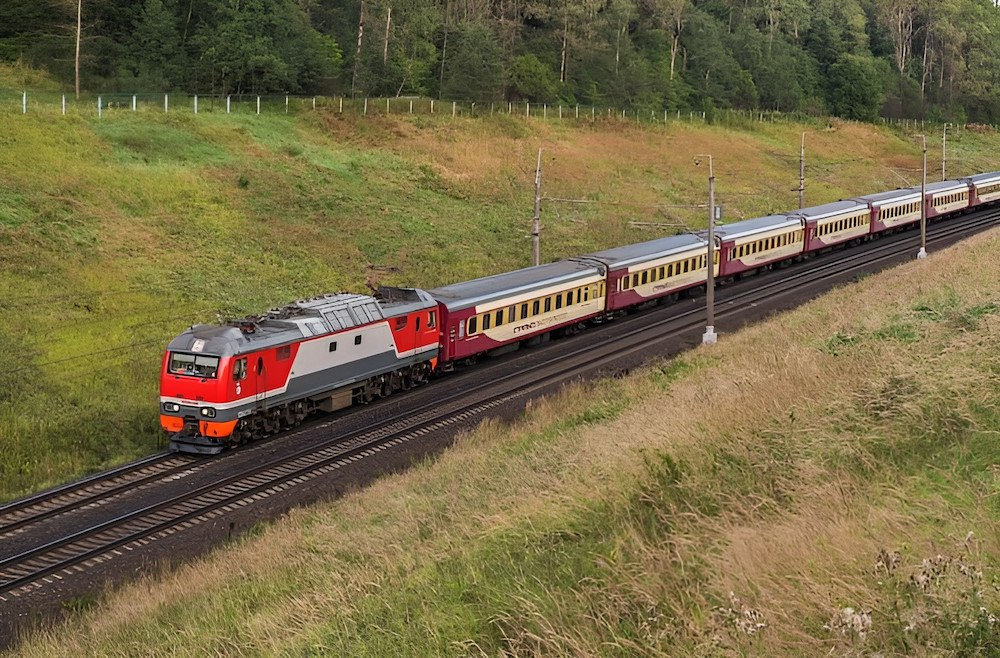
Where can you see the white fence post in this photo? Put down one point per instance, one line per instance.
(196, 103)
(229, 99)
(560, 111)
(133, 103)
(314, 102)
(341, 104)
(411, 106)
(366, 106)
(258, 105)
(527, 110)
(454, 108)
(387, 106)
(545, 110)
(432, 106)
(24, 102)
(100, 110)
(166, 103)
(64, 104)
(286, 104)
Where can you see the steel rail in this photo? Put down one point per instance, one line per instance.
(91, 490)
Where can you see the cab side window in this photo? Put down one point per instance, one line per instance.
(240, 370)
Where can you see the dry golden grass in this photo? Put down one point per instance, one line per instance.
(498, 158)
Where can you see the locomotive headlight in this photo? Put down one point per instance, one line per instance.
(171, 407)
(208, 412)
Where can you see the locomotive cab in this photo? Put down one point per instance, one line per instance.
(197, 384)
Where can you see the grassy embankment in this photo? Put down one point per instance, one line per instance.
(840, 497)
(115, 234)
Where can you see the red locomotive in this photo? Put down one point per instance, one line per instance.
(223, 385)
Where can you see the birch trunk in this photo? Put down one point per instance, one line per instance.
(357, 51)
(388, 22)
(673, 54)
(924, 73)
(618, 48)
(562, 67)
(76, 63)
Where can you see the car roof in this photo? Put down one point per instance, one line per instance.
(827, 209)
(946, 185)
(985, 178)
(893, 195)
(640, 252)
(755, 225)
(464, 294)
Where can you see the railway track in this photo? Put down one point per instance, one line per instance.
(93, 490)
(33, 568)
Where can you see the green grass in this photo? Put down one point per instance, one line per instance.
(117, 233)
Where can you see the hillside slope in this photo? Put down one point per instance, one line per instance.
(117, 233)
(840, 497)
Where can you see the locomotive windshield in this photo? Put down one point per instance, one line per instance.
(194, 365)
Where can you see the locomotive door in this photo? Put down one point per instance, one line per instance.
(260, 383)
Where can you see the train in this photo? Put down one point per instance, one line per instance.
(225, 385)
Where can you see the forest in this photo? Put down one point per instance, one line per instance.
(859, 59)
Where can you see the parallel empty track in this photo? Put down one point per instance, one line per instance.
(93, 490)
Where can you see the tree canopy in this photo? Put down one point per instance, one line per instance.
(855, 58)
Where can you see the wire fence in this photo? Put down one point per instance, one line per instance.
(55, 103)
(52, 103)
